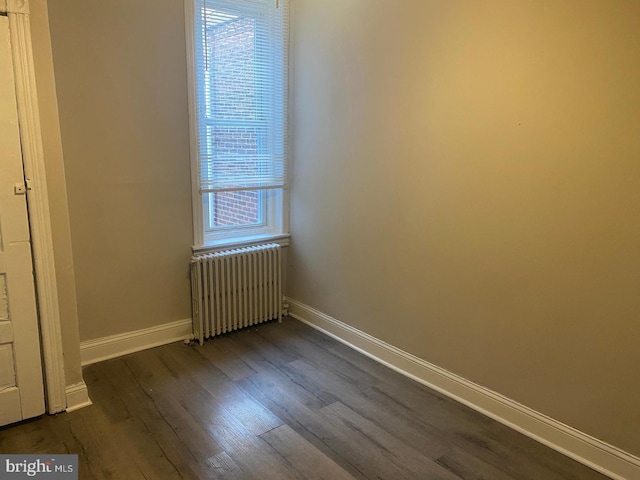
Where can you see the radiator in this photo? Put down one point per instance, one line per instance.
(233, 289)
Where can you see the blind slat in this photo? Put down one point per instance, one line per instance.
(241, 84)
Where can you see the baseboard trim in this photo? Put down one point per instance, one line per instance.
(77, 396)
(113, 346)
(590, 451)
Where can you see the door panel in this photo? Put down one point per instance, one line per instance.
(21, 386)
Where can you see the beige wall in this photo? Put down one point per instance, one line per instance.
(120, 70)
(466, 187)
(56, 186)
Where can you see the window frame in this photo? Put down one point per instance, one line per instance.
(275, 226)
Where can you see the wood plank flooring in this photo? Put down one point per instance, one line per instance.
(280, 401)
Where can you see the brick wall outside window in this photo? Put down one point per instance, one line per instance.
(236, 208)
(230, 49)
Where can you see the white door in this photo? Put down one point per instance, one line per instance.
(21, 386)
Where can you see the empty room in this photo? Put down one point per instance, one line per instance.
(320, 239)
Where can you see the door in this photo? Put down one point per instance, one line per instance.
(21, 386)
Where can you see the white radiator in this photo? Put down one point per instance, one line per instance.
(235, 288)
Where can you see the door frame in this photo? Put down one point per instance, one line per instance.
(17, 12)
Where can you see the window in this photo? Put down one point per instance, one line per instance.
(238, 72)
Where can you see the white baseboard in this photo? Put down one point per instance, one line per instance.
(104, 348)
(77, 396)
(590, 451)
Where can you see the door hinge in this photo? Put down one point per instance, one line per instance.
(22, 188)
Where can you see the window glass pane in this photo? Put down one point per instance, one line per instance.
(231, 56)
(235, 209)
(237, 151)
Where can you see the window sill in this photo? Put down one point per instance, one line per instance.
(283, 239)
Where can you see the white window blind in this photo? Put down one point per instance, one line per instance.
(241, 82)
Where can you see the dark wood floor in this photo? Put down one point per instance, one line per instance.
(278, 402)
